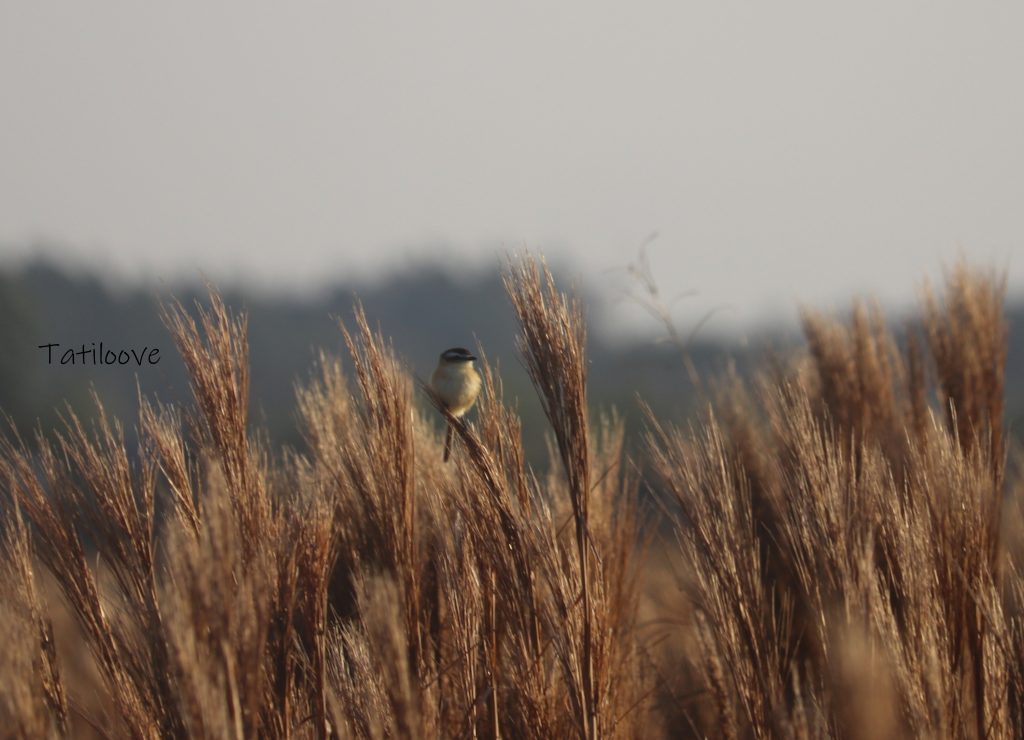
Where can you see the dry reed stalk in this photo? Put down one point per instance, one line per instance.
(33, 699)
(552, 343)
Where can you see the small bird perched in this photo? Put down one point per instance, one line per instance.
(456, 383)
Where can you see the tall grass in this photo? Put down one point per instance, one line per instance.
(842, 554)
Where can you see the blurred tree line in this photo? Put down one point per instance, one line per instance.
(424, 311)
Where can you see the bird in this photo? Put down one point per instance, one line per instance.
(456, 384)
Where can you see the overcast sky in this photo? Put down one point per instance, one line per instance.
(783, 151)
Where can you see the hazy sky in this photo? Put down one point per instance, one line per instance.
(783, 151)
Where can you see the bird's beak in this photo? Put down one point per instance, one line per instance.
(472, 358)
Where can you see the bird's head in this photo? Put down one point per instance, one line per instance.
(457, 356)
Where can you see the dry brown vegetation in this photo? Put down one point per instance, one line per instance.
(835, 550)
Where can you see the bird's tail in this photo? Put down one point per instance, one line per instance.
(448, 442)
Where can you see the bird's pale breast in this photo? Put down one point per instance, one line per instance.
(457, 387)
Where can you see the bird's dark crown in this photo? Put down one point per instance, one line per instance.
(457, 354)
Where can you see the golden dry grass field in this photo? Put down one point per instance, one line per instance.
(832, 549)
